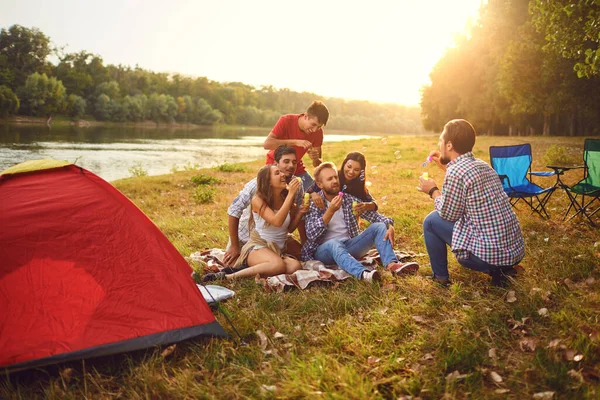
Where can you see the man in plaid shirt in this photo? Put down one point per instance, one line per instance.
(333, 235)
(239, 210)
(472, 213)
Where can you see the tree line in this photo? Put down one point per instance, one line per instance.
(524, 67)
(81, 85)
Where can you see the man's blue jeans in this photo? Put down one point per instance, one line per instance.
(345, 252)
(438, 233)
(307, 180)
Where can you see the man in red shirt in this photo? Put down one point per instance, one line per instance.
(304, 132)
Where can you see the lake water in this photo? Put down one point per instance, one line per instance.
(111, 152)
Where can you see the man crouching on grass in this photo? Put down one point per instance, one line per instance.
(472, 213)
(333, 235)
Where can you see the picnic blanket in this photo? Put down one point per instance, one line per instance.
(312, 271)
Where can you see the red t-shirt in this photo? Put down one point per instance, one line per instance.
(287, 128)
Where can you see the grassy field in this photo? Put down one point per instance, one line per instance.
(403, 339)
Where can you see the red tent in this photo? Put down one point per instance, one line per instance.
(84, 273)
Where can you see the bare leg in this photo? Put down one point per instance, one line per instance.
(263, 262)
(291, 265)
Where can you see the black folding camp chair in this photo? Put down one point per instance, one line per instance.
(513, 166)
(584, 194)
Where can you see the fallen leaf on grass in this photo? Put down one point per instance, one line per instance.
(419, 319)
(543, 395)
(268, 388)
(571, 355)
(168, 351)
(492, 352)
(528, 344)
(455, 376)
(577, 376)
(511, 297)
(427, 357)
(590, 281)
(501, 391)
(543, 312)
(373, 360)
(278, 335)
(263, 339)
(553, 343)
(569, 284)
(496, 377)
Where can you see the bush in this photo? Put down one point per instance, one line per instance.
(232, 168)
(138, 170)
(204, 194)
(9, 102)
(204, 180)
(558, 155)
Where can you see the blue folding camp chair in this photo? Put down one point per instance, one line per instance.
(513, 165)
(589, 186)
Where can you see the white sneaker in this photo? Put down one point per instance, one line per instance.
(371, 276)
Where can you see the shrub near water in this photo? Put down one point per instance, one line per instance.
(232, 168)
(204, 194)
(203, 179)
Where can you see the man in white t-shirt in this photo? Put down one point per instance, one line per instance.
(333, 235)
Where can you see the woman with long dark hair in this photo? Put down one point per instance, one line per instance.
(352, 179)
(273, 216)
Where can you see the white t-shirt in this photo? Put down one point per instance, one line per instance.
(271, 233)
(336, 229)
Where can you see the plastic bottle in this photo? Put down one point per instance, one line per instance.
(306, 199)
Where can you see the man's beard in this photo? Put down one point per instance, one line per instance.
(444, 160)
(332, 191)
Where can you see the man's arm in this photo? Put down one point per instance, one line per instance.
(451, 204)
(235, 210)
(315, 155)
(272, 142)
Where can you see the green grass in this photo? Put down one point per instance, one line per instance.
(360, 341)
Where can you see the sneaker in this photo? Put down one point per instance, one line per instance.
(371, 276)
(500, 276)
(397, 269)
(217, 276)
(445, 283)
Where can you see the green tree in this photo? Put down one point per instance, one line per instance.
(9, 102)
(24, 51)
(572, 30)
(42, 95)
(75, 106)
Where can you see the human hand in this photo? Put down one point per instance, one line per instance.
(231, 255)
(303, 209)
(317, 200)
(303, 143)
(313, 153)
(360, 208)
(336, 203)
(425, 185)
(389, 235)
(293, 186)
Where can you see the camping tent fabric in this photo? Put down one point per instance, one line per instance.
(83, 272)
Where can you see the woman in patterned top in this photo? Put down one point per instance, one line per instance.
(353, 181)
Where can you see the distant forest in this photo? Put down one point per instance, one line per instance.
(81, 86)
(526, 67)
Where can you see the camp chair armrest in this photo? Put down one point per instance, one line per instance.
(560, 169)
(540, 173)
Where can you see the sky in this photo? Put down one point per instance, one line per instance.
(369, 50)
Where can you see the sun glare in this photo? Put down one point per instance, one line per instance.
(378, 51)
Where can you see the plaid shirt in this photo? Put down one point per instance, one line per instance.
(486, 225)
(240, 207)
(316, 228)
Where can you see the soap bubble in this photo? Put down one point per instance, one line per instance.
(397, 154)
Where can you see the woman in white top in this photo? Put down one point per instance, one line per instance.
(273, 213)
